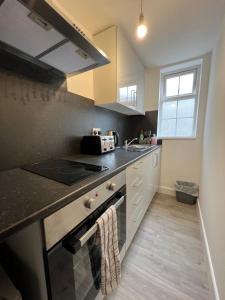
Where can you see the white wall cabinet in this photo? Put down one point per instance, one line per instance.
(142, 181)
(119, 85)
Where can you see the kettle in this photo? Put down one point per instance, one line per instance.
(115, 134)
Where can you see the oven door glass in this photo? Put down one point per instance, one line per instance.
(74, 267)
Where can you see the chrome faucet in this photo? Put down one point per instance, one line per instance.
(128, 144)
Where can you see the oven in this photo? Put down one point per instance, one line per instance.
(73, 264)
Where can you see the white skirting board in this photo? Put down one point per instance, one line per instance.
(213, 278)
(167, 190)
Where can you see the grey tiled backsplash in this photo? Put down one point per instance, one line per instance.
(40, 121)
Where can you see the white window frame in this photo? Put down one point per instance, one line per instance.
(196, 67)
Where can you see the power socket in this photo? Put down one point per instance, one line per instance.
(96, 131)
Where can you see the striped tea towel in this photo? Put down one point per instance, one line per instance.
(110, 257)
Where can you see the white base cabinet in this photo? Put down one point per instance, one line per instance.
(142, 181)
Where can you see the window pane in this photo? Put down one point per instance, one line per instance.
(168, 128)
(186, 84)
(185, 127)
(172, 85)
(186, 108)
(169, 110)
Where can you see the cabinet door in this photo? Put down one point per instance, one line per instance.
(156, 170)
(142, 181)
(105, 78)
(130, 75)
(131, 92)
(149, 180)
(135, 182)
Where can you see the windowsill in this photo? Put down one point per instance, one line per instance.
(177, 138)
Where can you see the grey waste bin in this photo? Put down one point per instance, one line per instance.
(186, 192)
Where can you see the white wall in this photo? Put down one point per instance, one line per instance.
(82, 84)
(152, 78)
(181, 159)
(212, 196)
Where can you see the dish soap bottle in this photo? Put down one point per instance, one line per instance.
(141, 137)
(154, 140)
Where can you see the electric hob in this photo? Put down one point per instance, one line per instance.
(64, 171)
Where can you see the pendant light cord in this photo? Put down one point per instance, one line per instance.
(141, 29)
(141, 17)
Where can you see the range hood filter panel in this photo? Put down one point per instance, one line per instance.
(20, 31)
(66, 58)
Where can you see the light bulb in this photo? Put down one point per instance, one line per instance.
(141, 31)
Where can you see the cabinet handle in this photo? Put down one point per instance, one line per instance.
(138, 183)
(155, 162)
(140, 198)
(138, 216)
(157, 159)
(137, 167)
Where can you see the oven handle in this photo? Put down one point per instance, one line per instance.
(83, 240)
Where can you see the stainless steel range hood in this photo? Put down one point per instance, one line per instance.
(33, 31)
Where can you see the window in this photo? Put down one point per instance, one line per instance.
(178, 103)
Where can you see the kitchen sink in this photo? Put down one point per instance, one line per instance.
(139, 148)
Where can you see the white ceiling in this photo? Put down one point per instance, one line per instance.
(178, 29)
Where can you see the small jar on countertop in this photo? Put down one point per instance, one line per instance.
(154, 140)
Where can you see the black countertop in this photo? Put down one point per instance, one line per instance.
(26, 197)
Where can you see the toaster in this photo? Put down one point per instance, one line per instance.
(97, 144)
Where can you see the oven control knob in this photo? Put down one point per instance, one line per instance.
(111, 186)
(89, 203)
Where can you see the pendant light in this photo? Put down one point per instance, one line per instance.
(142, 28)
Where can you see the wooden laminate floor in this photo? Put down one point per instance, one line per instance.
(166, 259)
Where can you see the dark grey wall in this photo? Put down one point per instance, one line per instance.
(147, 122)
(38, 121)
